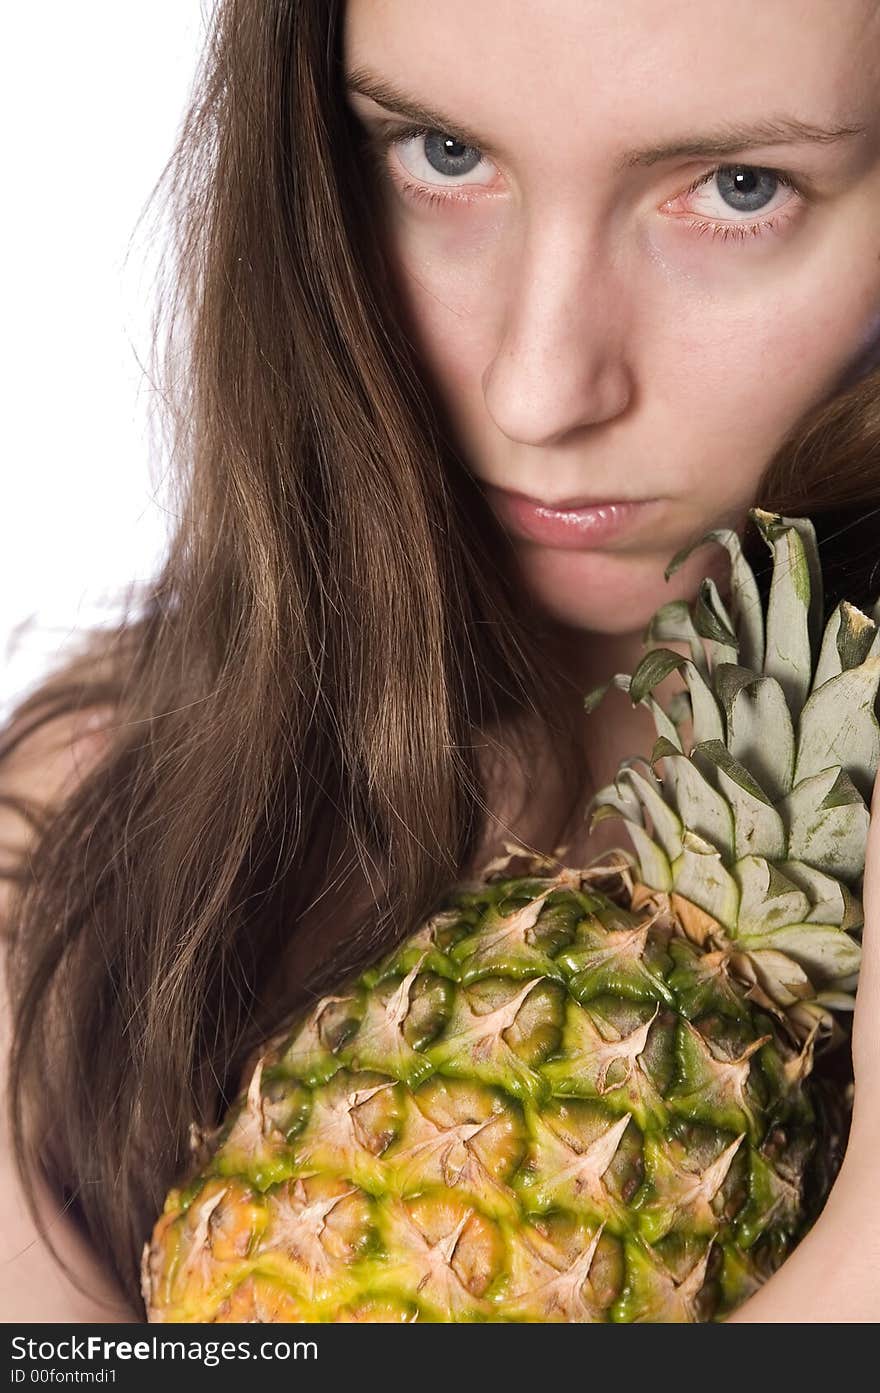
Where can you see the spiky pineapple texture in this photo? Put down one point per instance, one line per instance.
(581, 1094)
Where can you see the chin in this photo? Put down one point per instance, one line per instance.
(605, 593)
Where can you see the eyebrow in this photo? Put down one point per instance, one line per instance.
(725, 139)
(729, 138)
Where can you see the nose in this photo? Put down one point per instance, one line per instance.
(561, 364)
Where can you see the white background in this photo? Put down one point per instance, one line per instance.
(91, 96)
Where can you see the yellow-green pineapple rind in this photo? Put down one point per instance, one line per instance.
(547, 1113)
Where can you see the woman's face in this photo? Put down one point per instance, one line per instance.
(623, 295)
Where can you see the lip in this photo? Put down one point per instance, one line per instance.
(573, 524)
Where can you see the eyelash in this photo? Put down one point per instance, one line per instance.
(382, 142)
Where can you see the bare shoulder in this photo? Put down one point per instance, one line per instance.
(41, 769)
(44, 763)
(33, 1285)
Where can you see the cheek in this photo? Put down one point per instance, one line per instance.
(452, 287)
(728, 347)
(731, 377)
(867, 356)
(769, 333)
(727, 388)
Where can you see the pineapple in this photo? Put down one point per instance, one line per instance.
(582, 1094)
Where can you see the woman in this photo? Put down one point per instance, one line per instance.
(625, 267)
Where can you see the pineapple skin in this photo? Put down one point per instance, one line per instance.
(543, 1106)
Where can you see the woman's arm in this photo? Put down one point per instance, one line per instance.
(33, 1287)
(834, 1274)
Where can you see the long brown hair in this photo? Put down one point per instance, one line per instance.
(312, 693)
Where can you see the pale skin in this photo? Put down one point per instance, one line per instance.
(594, 328)
(586, 338)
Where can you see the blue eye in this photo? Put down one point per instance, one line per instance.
(745, 189)
(743, 185)
(444, 150)
(440, 153)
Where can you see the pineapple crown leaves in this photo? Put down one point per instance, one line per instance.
(761, 818)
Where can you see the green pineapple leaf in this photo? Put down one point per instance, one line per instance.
(753, 706)
(788, 655)
(712, 622)
(856, 636)
(827, 823)
(825, 953)
(850, 638)
(832, 901)
(673, 624)
(759, 830)
(700, 876)
(666, 825)
(768, 899)
(701, 807)
(593, 699)
(748, 614)
(838, 727)
(656, 666)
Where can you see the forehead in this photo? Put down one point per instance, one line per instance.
(521, 69)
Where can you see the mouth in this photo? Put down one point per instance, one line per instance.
(578, 524)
